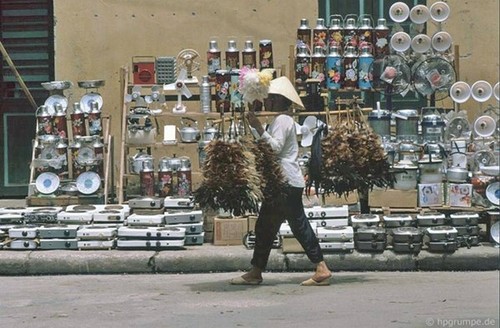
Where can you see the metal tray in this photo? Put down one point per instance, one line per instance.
(337, 246)
(96, 233)
(335, 234)
(149, 244)
(58, 231)
(338, 222)
(194, 240)
(370, 246)
(146, 232)
(88, 84)
(145, 220)
(96, 244)
(58, 243)
(183, 216)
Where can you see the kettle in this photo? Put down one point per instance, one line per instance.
(189, 131)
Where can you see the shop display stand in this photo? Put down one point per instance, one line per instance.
(157, 148)
(101, 196)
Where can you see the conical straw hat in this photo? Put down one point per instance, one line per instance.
(283, 86)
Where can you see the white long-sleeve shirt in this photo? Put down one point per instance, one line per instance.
(282, 137)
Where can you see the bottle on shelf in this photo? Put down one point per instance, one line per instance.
(304, 34)
(334, 69)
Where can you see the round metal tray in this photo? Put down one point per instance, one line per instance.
(91, 84)
(57, 85)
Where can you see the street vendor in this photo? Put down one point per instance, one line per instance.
(282, 138)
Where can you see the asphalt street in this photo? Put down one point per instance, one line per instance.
(354, 299)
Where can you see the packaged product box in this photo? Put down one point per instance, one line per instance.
(459, 195)
(229, 231)
(430, 194)
(393, 198)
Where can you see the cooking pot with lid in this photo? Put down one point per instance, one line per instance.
(136, 161)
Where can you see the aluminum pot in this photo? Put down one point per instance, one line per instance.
(457, 174)
(371, 234)
(136, 161)
(189, 131)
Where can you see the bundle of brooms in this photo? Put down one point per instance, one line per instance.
(346, 157)
(238, 174)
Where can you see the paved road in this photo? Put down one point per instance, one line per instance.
(371, 299)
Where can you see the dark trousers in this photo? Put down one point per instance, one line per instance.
(268, 224)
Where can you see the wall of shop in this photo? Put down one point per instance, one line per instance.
(94, 38)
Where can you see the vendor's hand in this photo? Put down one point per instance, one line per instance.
(254, 122)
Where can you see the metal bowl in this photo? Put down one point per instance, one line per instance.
(91, 84)
(57, 85)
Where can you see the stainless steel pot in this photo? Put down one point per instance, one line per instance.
(457, 174)
(443, 233)
(189, 131)
(210, 132)
(136, 161)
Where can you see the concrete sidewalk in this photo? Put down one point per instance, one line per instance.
(209, 258)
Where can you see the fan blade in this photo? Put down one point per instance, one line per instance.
(182, 75)
(170, 86)
(185, 91)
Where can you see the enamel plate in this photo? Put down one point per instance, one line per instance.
(88, 182)
(47, 183)
(87, 99)
(493, 193)
(54, 100)
(495, 232)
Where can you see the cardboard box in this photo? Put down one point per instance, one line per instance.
(393, 198)
(252, 220)
(291, 245)
(229, 231)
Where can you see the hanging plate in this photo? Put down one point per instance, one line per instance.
(88, 182)
(54, 100)
(434, 76)
(47, 183)
(390, 75)
(493, 193)
(49, 152)
(87, 99)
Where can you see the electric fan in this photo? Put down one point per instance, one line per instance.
(434, 77)
(187, 59)
(182, 90)
(390, 75)
(458, 127)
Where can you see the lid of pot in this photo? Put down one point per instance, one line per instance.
(379, 114)
(408, 112)
(432, 119)
(406, 231)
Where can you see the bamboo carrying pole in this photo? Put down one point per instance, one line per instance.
(18, 76)
(124, 81)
